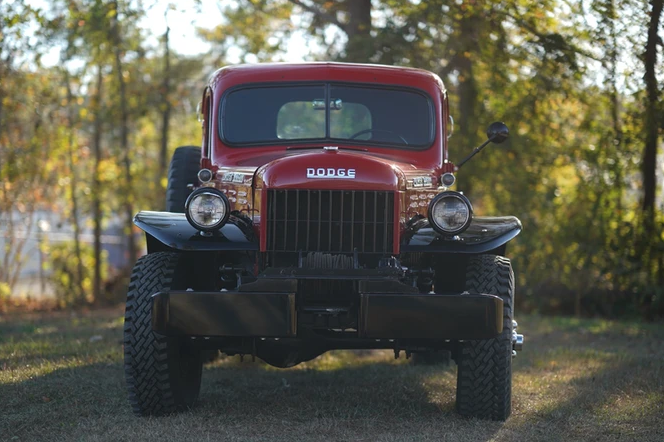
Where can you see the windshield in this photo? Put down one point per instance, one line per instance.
(288, 114)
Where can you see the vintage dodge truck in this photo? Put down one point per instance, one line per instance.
(317, 215)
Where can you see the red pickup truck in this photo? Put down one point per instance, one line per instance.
(318, 214)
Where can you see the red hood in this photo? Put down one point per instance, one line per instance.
(333, 169)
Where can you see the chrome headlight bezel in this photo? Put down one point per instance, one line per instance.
(437, 199)
(215, 193)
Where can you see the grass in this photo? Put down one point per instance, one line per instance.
(61, 378)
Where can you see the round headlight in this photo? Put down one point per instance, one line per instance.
(207, 209)
(450, 213)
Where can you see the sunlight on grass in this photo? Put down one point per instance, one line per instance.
(632, 406)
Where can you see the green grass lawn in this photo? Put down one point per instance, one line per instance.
(61, 378)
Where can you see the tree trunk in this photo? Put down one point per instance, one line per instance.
(73, 182)
(165, 113)
(359, 47)
(467, 47)
(648, 164)
(127, 190)
(616, 104)
(96, 185)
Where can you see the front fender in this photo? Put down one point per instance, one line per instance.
(484, 234)
(174, 231)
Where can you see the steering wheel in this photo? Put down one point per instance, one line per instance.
(366, 131)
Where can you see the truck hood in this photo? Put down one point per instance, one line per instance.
(333, 169)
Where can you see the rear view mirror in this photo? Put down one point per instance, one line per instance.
(497, 132)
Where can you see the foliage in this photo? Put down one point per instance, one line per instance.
(567, 78)
(65, 278)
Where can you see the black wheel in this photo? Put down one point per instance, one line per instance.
(433, 357)
(484, 378)
(163, 374)
(183, 170)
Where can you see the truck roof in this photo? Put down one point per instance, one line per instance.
(229, 76)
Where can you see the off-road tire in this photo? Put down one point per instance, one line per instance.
(183, 170)
(484, 378)
(434, 357)
(163, 374)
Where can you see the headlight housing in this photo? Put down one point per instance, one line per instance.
(450, 213)
(207, 209)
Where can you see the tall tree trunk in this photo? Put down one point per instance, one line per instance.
(467, 47)
(127, 190)
(96, 185)
(616, 104)
(651, 121)
(359, 47)
(165, 112)
(73, 182)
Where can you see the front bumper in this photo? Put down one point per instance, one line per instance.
(273, 314)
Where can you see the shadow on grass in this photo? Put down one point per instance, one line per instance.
(373, 400)
(51, 405)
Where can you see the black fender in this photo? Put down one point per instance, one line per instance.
(174, 231)
(485, 233)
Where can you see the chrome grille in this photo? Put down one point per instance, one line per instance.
(334, 221)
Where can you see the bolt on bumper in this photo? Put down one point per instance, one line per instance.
(517, 339)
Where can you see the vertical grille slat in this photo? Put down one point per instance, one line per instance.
(387, 214)
(285, 220)
(337, 221)
(308, 217)
(364, 221)
(320, 217)
(375, 223)
(341, 222)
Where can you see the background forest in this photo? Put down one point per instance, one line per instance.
(89, 135)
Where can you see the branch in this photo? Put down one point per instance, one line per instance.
(322, 14)
(544, 37)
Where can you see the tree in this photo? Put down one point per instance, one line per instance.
(653, 115)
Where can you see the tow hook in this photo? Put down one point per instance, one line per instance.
(517, 339)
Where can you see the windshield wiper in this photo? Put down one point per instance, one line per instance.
(360, 149)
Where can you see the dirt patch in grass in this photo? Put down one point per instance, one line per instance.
(61, 378)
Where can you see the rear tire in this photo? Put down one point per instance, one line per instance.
(163, 374)
(484, 378)
(183, 170)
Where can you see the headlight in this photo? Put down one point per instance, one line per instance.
(207, 209)
(450, 213)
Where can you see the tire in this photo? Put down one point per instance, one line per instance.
(183, 170)
(484, 378)
(434, 357)
(163, 374)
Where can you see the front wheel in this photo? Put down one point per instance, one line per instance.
(484, 377)
(163, 374)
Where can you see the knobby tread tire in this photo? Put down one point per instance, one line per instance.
(484, 378)
(183, 170)
(156, 382)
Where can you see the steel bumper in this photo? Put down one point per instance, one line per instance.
(430, 316)
(260, 314)
(274, 315)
